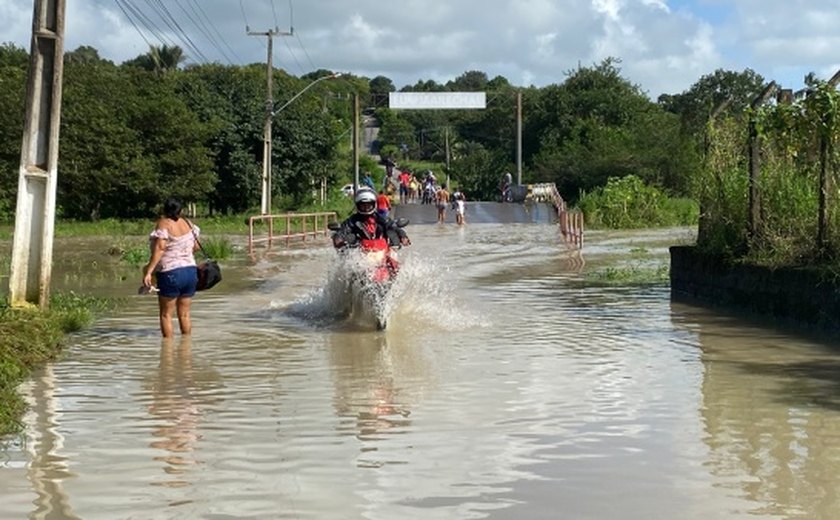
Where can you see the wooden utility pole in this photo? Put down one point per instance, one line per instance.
(265, 201)
(755, 161)
(31, 266)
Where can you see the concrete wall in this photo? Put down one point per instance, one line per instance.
(802, 296)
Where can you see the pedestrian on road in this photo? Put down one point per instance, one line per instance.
(442, 200)
(383, 204)
(171, 260)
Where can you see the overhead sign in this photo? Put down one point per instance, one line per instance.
(432, 100)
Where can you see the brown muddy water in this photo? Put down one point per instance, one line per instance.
(508, 385)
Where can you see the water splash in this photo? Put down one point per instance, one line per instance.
(423, 294)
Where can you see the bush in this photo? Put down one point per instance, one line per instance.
(627, 202)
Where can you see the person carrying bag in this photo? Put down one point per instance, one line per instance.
(209, 272)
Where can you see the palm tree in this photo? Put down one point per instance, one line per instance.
(167, 58)
(160, 59)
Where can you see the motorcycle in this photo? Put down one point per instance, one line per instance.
(373, 267)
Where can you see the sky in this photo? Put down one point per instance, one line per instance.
(664, 46)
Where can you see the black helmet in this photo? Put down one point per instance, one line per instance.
(365, 201)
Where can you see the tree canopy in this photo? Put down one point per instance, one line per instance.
(135, 132)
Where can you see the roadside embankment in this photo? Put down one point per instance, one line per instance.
(804, 296)
(29, 338)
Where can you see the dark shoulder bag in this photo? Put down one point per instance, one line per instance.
(209, 272)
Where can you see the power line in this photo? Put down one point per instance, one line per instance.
(297, 35)
(203, 29)
(215, 29)
(167, 18)
(242, 8)
(274, 12)
(289, 47)
(147, 23)
(131, 21)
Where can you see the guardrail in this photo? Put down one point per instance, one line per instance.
(294, 225)
(571, 222)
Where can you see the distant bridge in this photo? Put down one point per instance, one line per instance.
(539, 204)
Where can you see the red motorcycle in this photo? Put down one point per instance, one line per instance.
(373, 267)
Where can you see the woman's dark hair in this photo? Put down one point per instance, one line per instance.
(172, 208)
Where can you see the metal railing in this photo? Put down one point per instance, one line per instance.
(293, 225)
(570, 221)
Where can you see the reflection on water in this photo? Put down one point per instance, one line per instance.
(770, 410)
(370, 402)
(177, 409)
(506, 387)
(49, 467)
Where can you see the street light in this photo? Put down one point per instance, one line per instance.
(266, 177)
(307, 87)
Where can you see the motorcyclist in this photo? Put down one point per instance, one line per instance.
(365, 224)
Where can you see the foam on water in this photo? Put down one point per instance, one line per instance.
(422, 294)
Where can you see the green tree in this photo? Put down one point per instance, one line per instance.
(14, 63)
(230, 101)
(395, 130)
(734, 90)
(381, 86)
(83, 54)
(127, 142)
(597, 125)
(159, 59)
(470, 81)
(478, 171)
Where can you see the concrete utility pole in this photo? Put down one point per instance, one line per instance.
(265, 201)
(355, 142)
(31, 267)
(446, 149)
(519, 138)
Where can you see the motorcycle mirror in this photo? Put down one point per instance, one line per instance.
(333, 226)
(402, 222)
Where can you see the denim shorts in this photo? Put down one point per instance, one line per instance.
(178, 282)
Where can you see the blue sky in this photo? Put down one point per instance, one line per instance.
(664, 45)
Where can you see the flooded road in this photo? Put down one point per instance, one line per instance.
(508, 385)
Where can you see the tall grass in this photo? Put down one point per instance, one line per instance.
(217, 248)
(627, 202)
(788, 195)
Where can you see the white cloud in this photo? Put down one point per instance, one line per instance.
(664, 45)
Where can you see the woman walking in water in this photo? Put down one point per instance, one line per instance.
(171, 245)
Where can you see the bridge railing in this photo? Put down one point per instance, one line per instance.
(291, 225)
(570, 221)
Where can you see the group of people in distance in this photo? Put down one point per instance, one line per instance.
(410, 189)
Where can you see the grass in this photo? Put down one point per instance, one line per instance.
(236, 224)
(29, 338)
(635, 274)
(641, 269)
(217, 248)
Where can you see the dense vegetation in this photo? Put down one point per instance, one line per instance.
(774, 203)
(135, 132)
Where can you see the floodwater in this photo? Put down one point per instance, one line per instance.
(508, 385)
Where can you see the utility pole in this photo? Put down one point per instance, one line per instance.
(31, 266)
(355, 142)
(446, 146)
(265, 201)
(519, 138)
